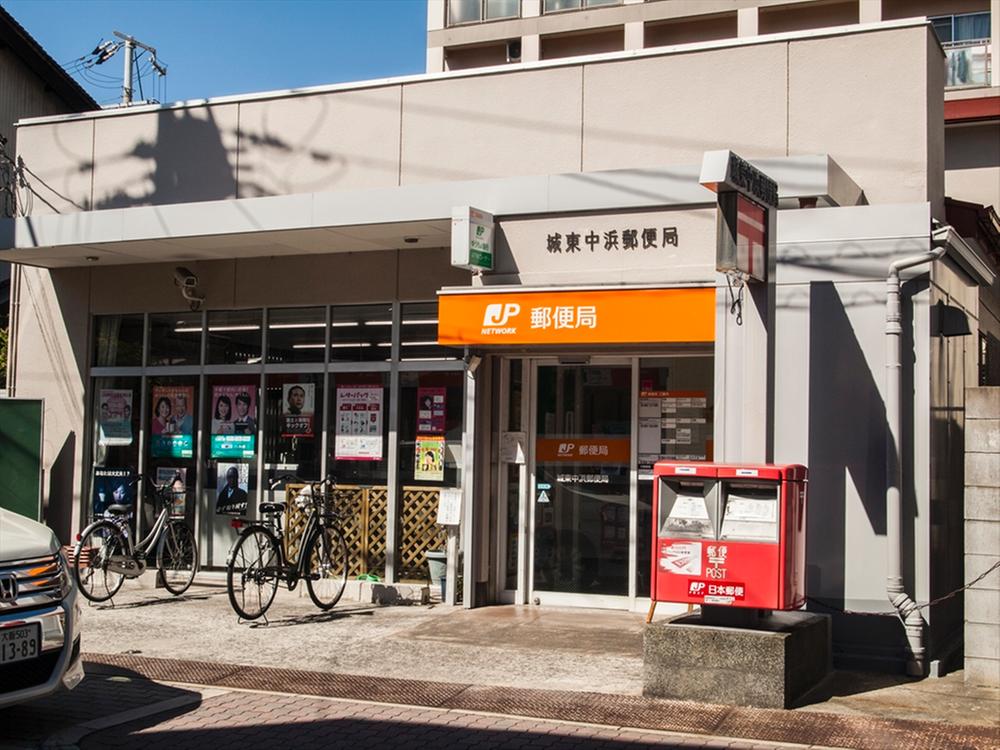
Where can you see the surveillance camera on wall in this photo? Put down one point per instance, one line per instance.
(188, 283)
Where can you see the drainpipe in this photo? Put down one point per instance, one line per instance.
(909, 615)
(12, 326)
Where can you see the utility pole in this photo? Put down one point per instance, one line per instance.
(130, 44)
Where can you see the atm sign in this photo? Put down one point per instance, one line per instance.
(713, 592)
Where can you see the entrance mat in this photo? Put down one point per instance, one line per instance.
(631, 711)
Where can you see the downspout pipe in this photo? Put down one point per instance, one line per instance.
(909, 615)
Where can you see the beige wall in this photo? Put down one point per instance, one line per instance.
(761, 100)
(584, 43)
(776, 19)
(479, 56)
(910, 8)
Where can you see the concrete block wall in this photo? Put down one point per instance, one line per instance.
(982, 535)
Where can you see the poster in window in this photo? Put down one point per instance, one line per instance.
(431, 408)
(174, 477)
(298, 409)
(359, 423)
(234, 421)
(112, 487)
(234, 481)
(429, 464)
(115, 420)
(172, 424)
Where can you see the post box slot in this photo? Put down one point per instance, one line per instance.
(684, 509)
(750, 512)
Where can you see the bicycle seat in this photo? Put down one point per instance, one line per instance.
(119, 510)
(271, 507)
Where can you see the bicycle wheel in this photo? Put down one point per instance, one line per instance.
(177, 557)
(100, 543)
(327, 576)
(252, 573)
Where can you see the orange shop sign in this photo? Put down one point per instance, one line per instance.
(618, 316)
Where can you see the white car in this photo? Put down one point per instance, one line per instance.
(39, 613)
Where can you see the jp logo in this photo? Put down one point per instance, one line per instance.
(497, 315)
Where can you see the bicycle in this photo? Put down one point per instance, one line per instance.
(257, 562)
(112, 556)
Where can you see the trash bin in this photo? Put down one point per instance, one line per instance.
(437, 565)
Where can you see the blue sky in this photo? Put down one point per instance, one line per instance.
(220, 47)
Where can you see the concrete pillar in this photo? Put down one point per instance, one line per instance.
(635, 33)
(531, 46)
(436, 14)
(435, 59)
(531, 8)
(746, 22)
(869, 11)
(995, 41)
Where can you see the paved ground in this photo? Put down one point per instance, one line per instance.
(184, 673)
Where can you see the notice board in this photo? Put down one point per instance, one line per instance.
(21, 456)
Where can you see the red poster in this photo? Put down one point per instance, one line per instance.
(431, 409)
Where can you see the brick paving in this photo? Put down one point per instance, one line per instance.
(530, 707)
(261, 720)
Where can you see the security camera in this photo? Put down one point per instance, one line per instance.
(188, 283)
(185, 278)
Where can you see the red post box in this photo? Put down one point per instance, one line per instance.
(729, 535)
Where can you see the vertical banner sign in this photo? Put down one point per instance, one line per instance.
(429, 458)
(359, 423)
(233, 482)
(172, 425)
(298, 409)
(471, 239)
(176, 479)
(115, 420)
(234, 421)
(431, 409)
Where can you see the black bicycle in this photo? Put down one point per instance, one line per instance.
(257, 562)
(106, 554)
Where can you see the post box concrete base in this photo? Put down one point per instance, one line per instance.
(767, 666)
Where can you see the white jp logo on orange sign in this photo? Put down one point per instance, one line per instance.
(496, 317)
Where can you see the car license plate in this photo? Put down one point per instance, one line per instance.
(20, 642)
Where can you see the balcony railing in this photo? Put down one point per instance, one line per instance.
(967, 63)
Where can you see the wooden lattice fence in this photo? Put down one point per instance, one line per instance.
(363, 512)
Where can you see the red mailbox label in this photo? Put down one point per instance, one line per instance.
(712, 592)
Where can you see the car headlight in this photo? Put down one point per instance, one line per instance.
(65, 582)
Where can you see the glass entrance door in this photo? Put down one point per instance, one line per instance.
(581, 493)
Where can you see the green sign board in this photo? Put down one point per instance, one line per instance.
(21, 456)
(471, 239)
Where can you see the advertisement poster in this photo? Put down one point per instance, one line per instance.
(115, 418)
(234, 421)
(172, 425)
(429, 458)
(234, 481)
(431, 410)
(176, 479)
(298, 409)
(359, 423)
(112, 487)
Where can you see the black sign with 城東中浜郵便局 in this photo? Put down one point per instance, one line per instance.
(647, 238)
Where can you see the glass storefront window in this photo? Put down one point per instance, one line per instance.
(296, 334)
(116, 403)
(230, 449)
(234, 338)
(361, 333)
(174, 339)
(418, 334)
(293, 409)
(170, 449)
(118, 341)
(430, 458)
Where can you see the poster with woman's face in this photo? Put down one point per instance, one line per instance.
(112, 487)
(234, 421)
(172, 422)
(298, 408)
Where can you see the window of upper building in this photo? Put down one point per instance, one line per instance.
(965, 27)
(473, 11)
(966, 41)
(554, 6)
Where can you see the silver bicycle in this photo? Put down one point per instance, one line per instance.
(106, 555)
